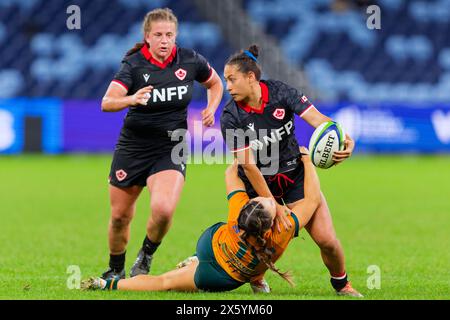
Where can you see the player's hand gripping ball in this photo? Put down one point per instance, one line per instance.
(328, 138)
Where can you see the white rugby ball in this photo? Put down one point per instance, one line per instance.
(326, 139)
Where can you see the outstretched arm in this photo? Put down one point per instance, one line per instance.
(232, 180)
(315, 118)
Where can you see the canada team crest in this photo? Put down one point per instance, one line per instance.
(304, 99)
(181, 74)
(279, 113)
(121, 175)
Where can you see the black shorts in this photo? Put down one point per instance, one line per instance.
(209, 275)
(127, 170)
(287, 186)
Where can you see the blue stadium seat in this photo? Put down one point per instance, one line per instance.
(444, 58)
(342, 58)
(54, 58)
(2, 33)
(22, 5)
(11, 83)
(420, 48)
(392, 4)
(398, 59)
(42, 44)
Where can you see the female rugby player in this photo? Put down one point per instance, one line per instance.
(155, 82)
(260, 116)
(233, 253)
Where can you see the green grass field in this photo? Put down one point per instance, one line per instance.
(393, 212)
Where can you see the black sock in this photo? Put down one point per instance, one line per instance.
(339, 283)
(149, 247)
(117, 261)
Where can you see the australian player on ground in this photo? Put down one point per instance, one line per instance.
(155, 82)
(264, 110)
(233, 253)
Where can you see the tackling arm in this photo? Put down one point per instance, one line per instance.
(232, 180)
(306, 208)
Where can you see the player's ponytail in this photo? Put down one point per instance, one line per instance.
(247, 61)
(138, 46)
(264, 255)
(255, 221)
(254, 50)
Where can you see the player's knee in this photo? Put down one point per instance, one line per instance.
(119, 220)
(162, 211)
(329, 244)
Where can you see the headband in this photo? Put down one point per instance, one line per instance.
(250, 55)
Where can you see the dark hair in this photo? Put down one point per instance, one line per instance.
(245, 62)
(155, 15)
(138, 46)
(254, 220)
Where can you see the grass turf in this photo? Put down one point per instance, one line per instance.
(388, 211)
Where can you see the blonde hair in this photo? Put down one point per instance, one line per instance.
(160, 14)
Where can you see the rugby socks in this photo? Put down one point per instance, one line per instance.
(101, 283)
(111, 284)
(149, 247)
(117, 261)
(339, 281)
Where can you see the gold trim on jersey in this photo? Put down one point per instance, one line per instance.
(236, 264)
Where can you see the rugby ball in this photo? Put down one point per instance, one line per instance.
(326, 139)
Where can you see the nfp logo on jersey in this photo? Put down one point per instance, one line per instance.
(274, 137)
(166, 94)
